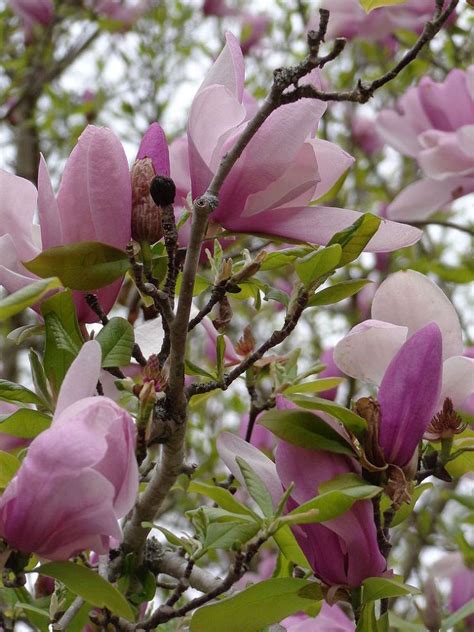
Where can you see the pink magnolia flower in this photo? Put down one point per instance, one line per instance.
(78, 477)
(9, 442)
(218, 8)
(329, 619)
(437, 130)
(343, 550)
(365, 134)
(268, 190)
(404, 304)
(254, 27)
(262, 438)
(122, 12)
(93, 204)
(452, 566)
(348, 19)
(33, 12)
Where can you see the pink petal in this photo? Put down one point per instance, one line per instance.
(228, 70)
(94, 198)
(17, 209)
(229, 446)
(408, 394)
(421, 199)
(444, 112)
(333, 162)
(155, 146)
(48, 209)
(408, 298)
(458, 380)
(368, 349)
(443, 156)
(318, 224)
(81, 379)
(179, 167)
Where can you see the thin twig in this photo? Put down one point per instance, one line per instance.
(68, 616)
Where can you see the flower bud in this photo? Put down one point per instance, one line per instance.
(146, 216)
(163, 191)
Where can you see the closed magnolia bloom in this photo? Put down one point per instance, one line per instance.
(93, 204)
(77, 479)
(152, 160)
(438, 131)
(342, 551)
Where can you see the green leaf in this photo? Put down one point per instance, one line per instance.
(20, 334)
(259, 605)
(24, 423)
(305, 430)
(397, 623)
(89, 585)
(458, 616)
(367, 621)
(370, 5)
(406, 509)
(335, 498)
(39, 377)
(193, 369)
(316, 386)
(284, 257)
(85, 265)
(318, 264)
(57, 360)
(26, 297)
(221, 496)
(116, 340)
(226, 535)
(349, 419)
(9, 464)
(11, 392)
(337, 292)
(375, 588)
(289, 547)
(353, 239)
(255, 487)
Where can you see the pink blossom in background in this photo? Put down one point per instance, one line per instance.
(33, 13)
(340, 551)
(219, 8)
(78, 477)
(268, 191)
(438, 131)
(404, 304)
(262, 438)
(453, 567)
(122, 12)
(254, 27)
(331, 370)
(93, 204)
(329, 619)
(348, 19)
(365, 134)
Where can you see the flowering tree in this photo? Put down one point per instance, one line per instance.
(238, 385)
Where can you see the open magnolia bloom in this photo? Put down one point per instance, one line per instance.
(93, 204)
(405, 304)
(78, 477)
(438, 130)
(283, 169)
(342, 551)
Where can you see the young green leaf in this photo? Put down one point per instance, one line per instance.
(375, 588)
(255, 487)
(24, 423)
(220, 351)
(85, 265)
(11, 392)
(57, 360)
(318, 264)
(370, 5)
(305, 430)
(354, 239)
(89, 585)
(337, 292)
(221, 496)
(226, 535)
(116, 340)
(9, 464)
(27, 296)
(316, 386)
(349, 419)
(259, 605)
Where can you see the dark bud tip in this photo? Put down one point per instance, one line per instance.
(162, 190)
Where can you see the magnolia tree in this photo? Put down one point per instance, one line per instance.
(229, 402)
